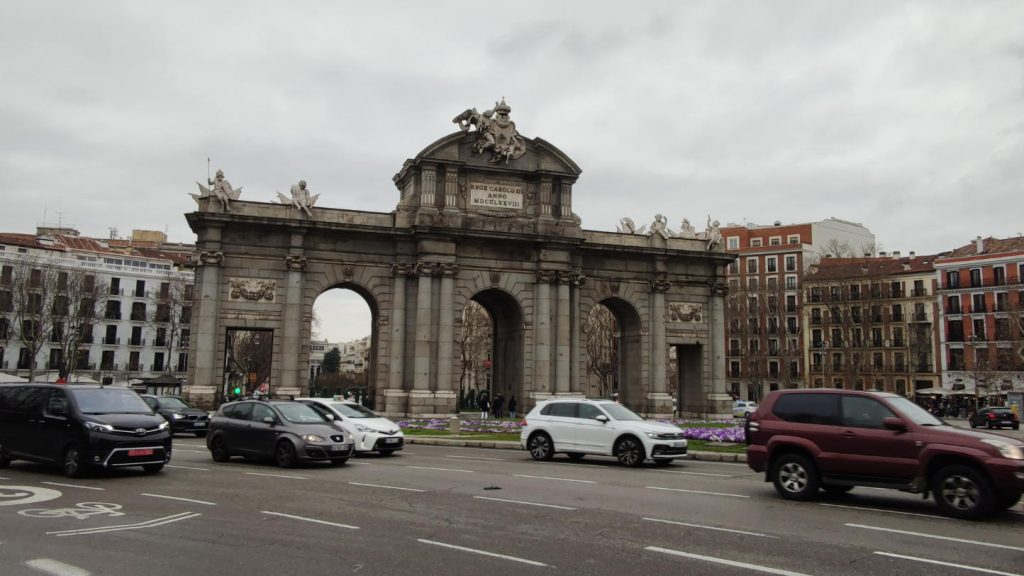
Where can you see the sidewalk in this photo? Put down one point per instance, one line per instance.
(468, 442)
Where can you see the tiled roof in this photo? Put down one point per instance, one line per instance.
(989, 246)
(881, 266)
(64, 243)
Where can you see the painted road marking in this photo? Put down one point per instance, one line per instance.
(697, 492)
(181, 499)
(961, 566)
(711, 528)
(187, 450)
(314, 520)
(483, 552)
(522, 502)
(73, 486)
(277, 476)
(186, 467)
(19, 495)
(553, 478)
(475, 458)
(83, 511)
(56, 567)
(886, 511)
(388, 487)
(693, 473)
(937, 537)
(732, 563)
(137, 526)
(439, 469)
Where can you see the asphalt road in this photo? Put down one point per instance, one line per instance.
(462, 511)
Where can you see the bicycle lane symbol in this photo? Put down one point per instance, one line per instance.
(21, 495)
(83, 511)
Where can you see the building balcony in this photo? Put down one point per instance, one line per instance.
(137, 342)
(111, 341)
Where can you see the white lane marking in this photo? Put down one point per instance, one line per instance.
(930, 561)
(187, 450)
(73, 486)
(136, 526)
(18, 495)
(314, 520)
(186, 467)
(56, 567)
(733, 563)
(475, 458)
(483, 553)
(697, 492)
(388, 487)
(439, 469)
(277, 476)
(4, 478)
(693, 473)
(710, 528)
(522, 502)
(181, 499)
(937, 537)
(553, 478)
(887, 511)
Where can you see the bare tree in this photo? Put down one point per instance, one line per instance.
(77, 307)
(249, 355)
(474, 345)
(34, 285)
(172, 315)
(600, 336)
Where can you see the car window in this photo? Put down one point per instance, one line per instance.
(24, 399)
(57, 405)
(172, 403)
(589, 411)
(863, 412)
(151, 401)
(261, 411)
(619, 412)
(300, 413)
(808, 408)
(560, 409)
(353, 410)
(240, 411)
(915, 413)
(110, 401)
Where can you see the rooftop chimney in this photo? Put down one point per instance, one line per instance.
(912, 254)
(883, 254)
(980, 245)
(895, 253)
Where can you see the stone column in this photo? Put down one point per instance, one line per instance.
(205, 371)
(444, 329)
(718, 398)
(424, 310)
(659, 347)
(542, 335)
(563, 332)
(451, 190)
(544, 201)
(396, 362)
(565, 201)
(291, 316)
(574, 351)
(428, 185)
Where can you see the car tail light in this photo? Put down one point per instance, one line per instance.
(523, 424)
(991, 415)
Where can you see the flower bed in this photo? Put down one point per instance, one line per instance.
(707, 430)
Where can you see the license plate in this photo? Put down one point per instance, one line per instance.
(338, 448)
(391, 440)
(677, 444)
(200, 424)
(140, 452)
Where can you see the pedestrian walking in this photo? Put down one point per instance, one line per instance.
(485, 405)
(512, 405)
(499, 403)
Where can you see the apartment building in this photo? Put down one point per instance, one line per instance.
(872, 324)
(764, 319)
(110, 310)
(981, 288)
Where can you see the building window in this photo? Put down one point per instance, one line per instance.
(115, 286)
(998, 275)
(794, 239)
(139, 311)
(975, 277)
(752, 284)
(953, 305)
(140, 288)
(751, 265)
(953, 279)
(733, 243)
(770, 264)
(790, 302)
(791, 283)
(977, 303)
(755, 242)
(734, 267)
(790, 263)
(775, 241)
(158, 362)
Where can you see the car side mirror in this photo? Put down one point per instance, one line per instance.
(330, 417)
(893, 423)
(269, 420)
(601, 418)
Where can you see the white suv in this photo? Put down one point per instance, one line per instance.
(578, 427)
(370, 431)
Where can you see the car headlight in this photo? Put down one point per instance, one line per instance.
(1007, 450)
(177, 416)
(97, 427)
(164, 425)
(313, 438)
(362, 428)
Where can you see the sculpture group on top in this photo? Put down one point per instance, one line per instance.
(495, 132)
(659, 227)
(301, 199)
(220, 189)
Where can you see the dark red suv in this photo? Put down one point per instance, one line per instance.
(810, 439)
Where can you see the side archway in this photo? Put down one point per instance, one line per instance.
(508, 360)
(368, 376)
(628, 343)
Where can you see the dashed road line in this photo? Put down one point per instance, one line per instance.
(950, 564)
(277, 475)
(483, 552)
(137, 526)
(711, 528)
(693, 473)
(179, 498)
(439, 469)
(937, 537)
(73, 486)
(884, 510)
(187, 450)
(388, 487)
(697, 492)
(733, 563)
(313, 520)
(186, 467)
(554, 478)
(524, 502)
(56, 567)
(475, 458)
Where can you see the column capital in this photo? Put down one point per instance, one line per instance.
(660, 282)
(208, 258)
(544, 276)
(401, 269)
(447, 270)
(718, 289)
(424, 268)
(296, 263)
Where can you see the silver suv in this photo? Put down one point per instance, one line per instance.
(577, 427)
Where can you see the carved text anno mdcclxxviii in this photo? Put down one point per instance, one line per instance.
(487, 195)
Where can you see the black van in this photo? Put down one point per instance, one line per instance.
(81, 427)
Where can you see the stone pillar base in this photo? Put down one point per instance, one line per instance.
(659, 404)
(428, 404)
(719, 407)
(288, 392)
(201, 397)
(395, 403)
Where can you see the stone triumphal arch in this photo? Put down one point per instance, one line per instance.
(483, 214)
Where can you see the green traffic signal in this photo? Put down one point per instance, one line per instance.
(238, 390)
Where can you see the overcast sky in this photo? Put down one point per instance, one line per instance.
(907, 117)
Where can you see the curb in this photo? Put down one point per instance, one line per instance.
(505, 445)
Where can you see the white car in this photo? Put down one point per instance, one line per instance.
(578, 427)
(743, 408)
(370, 431)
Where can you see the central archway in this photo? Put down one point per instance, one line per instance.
(507, 343)
(628, 345)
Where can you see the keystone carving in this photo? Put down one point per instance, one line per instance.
(208, 258)
(295, 262)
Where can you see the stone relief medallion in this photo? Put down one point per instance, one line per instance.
(685, 312)
(252, 289)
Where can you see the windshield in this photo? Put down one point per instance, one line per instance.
(109, 401)
(172, 403)
(619, 412)
(915, 413)
(300, 414)
(353, 410)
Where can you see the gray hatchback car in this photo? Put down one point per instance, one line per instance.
(286, 431)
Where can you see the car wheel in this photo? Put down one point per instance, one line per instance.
(1016, 426)
(963, 492)
(836, 490)
(989, 425)
(663, 461)
(1004, 501)
(152, 468)
(72, 462)
(795, 477)
(386, 452)
(540, 447)
(973, 425)
(284, 454)
(338, 461)
(574, 455)
(218, 450)
(201, 434)
(746, 414)
(5, 460)
(629, 451)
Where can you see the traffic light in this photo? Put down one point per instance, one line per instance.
(238, 390)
